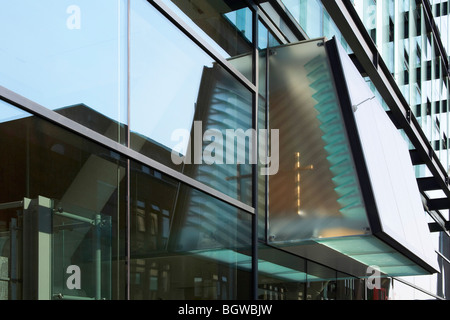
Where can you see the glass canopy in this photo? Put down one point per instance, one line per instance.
(346, 180)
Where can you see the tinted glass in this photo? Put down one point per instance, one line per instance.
(226, 25)
(185, 244)
(183, 103)
(68, 57)
(62, 205)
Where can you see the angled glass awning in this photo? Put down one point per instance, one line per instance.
(346, 193)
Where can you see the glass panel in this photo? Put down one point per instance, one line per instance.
(54, 186)
(309, 14)
(321, 283)
(381, 292)
(70, 58)
(281, 276)
(367, 11)
(81, 257)
(349, 288)
(315, 193)
(265, 41)
(185, 244)
(183, 105)
(226, 25)
(315, 20)
(386, 35)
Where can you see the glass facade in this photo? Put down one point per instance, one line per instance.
(180, 250)
(67, 57)
(185, 105)
(141, 156)
(63, 211)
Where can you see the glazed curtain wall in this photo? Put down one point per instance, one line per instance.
(115, 228)
(72, 182)
(91, 201)
(126, 63)
(68, 220)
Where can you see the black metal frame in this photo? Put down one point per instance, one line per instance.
(352, 134)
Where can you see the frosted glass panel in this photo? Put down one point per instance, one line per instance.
(390, 169)
(315, 194)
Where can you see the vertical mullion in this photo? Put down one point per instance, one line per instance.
(128, 170)
(266, 126)
(255, 191)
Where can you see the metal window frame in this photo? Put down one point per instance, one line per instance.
(53, 117)
(258, 14)
(74, 127)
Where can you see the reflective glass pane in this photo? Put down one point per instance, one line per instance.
(281, 276)
(367, 11)
(321, 283)
(185, 244)
(69, 57)
(62, 212)
(226, 25)
(315, 193)
(314, 20)
(81, 257)
(349, 288)
(266, 40)
(187, 111)
(309, 14)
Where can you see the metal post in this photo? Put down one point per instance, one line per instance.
(98, 258)
(13, 259)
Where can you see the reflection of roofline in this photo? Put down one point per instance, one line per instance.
(90, 112)
(81, 104)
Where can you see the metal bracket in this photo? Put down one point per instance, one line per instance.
(408, 116)
(436, 227)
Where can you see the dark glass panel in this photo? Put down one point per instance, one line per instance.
(185, 244)
(281, 276)
(62, 204)
(183, 103)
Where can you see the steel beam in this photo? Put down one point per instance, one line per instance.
(438, 204)
(427, 184)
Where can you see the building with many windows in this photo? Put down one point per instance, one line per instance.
(217, 150)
